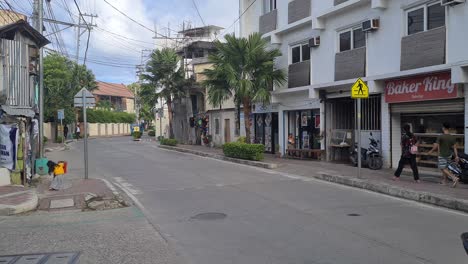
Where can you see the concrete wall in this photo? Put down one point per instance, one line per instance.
(130, 103)
(250, 23)
(102, 130)
(457, 36)
(222, 115)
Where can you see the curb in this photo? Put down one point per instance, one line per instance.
(259, 164)
(29, 205)
(395, 191)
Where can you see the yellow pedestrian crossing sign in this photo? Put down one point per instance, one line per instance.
(359, 90)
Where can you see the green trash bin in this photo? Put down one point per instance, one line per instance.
(41, 166)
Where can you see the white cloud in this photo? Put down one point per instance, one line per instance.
(120, 52)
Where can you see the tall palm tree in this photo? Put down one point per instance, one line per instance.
(243, 69)
(164, 79)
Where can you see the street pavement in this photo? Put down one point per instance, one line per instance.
(218, 212)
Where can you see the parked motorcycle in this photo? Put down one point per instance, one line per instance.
(460, 168)
(370, 157)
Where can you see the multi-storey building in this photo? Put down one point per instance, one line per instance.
(411, 53)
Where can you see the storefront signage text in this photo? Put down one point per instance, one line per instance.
(433, 87)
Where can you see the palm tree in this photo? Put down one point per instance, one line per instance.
(243, 69)
(164, 71)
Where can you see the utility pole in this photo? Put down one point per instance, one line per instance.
(77, 60)
(87, 26)
(38, 18)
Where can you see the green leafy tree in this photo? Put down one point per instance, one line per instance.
(164, 78)
(62, 80)
(243, 69)
(104, 104)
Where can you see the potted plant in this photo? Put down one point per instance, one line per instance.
(136, 135)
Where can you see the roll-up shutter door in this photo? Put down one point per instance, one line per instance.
(444, 106)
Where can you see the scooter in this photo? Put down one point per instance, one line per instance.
(460, 168)
(370, 157)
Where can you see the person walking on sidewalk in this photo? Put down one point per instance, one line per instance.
(77, 131)
(444, 144)
(408, 144)
(65, 132)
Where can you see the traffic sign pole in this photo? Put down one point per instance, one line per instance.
(359, 91)
(359, 137)
(85, 135)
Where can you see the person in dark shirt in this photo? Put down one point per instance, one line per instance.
(65, 132)
(444, 144)
(408, 140)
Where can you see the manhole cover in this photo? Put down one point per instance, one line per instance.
(41, 258)
(209, 216)
(354, 215)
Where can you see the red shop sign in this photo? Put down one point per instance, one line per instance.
(420, 88)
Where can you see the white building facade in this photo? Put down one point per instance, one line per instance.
(413, 58)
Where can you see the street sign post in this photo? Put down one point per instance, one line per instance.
(61, 116)
(87, 100)
(359, 91)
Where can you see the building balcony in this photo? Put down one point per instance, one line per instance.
(298, 9)
(299, 74)
(350, 64)
(268, 22)
(423, 49)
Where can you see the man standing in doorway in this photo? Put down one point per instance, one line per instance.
(444, 144)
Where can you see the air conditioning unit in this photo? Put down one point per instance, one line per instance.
(314, 42)
(451, 2)
(370, 25)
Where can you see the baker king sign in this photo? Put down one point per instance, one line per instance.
(421, 88)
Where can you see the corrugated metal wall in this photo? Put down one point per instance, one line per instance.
(15, 80)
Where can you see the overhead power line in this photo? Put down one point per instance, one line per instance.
(138, 23)
(198, 12)
(124, 37)
(89, 31)
(237, 18)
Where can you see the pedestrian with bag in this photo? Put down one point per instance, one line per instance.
(444, 144)
(409, 149)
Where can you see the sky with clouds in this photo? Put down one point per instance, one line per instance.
(118, 42)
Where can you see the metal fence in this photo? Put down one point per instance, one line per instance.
(17, 85)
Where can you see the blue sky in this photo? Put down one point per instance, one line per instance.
(123, 54)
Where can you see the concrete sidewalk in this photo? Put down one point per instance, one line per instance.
(17, 199)
(428, 191)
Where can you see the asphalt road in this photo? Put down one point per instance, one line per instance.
(271, 217)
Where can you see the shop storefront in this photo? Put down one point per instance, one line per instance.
(341, 126)
(425, 103)
(303, 129)
(264, 122)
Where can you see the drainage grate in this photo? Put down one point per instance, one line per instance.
(354, 215)
(42, 258)
(209, 216)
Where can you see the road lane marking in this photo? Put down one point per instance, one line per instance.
(127, 185)
(110, 186)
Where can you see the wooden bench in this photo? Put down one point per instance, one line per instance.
(304, 153)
